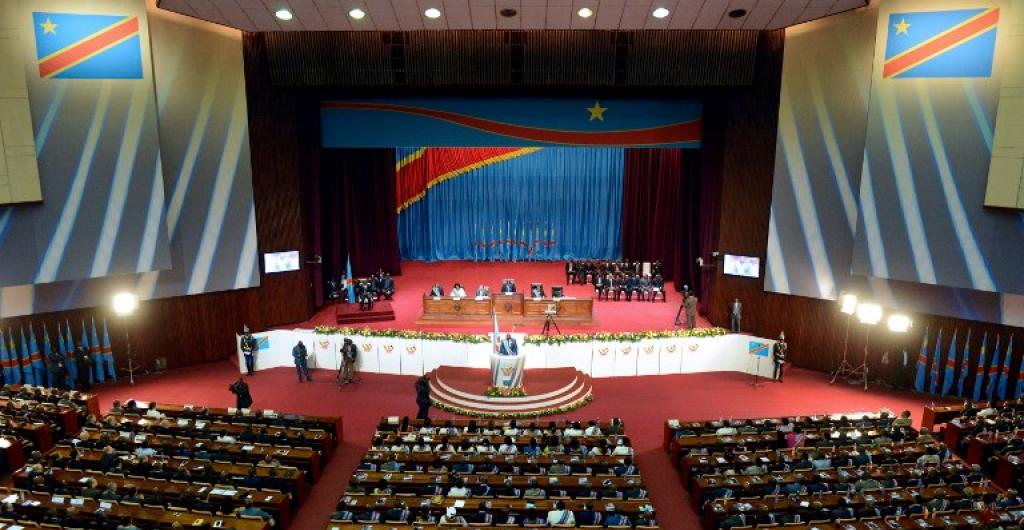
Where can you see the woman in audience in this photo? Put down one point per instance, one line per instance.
(622, 448)
(560, 515)
(533, 448)
(508, 447)
(459, 489)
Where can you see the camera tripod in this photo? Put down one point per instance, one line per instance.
(549, 320)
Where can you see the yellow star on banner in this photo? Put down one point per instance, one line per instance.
(597, 111)
(902, 27)
(49, 27)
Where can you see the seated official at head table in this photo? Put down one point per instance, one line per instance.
(537, 291)
(483, 291)
(458, 291)
(437, 290)
(508, 286)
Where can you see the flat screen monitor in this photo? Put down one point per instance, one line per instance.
(747, 266)
(281, 261)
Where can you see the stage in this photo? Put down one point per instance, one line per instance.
(418, 276)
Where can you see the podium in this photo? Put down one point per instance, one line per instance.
(507, 370)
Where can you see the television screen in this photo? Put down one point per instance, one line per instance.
(748, 266)
(281, 261)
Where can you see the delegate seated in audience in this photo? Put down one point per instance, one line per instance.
(451, 517)
(561, 515)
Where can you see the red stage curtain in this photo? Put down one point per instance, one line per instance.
(661, 211)
(358, 214)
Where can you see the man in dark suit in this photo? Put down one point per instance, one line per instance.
(570, 272)
(508, 286)
(508, 346)
(423, 398)
(437, 291)
(690, 304)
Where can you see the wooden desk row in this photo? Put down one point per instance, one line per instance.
(40, 504)
(805, 423)
(305, 458)
(386, 424)
(405, 482)
(597, 463)
(514, 307)
(333, 425)
(471, 505)
(278, 504)
(89, 402)
(291, 475)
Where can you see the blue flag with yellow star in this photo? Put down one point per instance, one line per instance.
(85, 46)
(958, 43)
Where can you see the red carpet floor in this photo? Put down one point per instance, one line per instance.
(687, 397)
(418, 276)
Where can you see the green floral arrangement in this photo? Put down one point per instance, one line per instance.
(515, 415)
(505, 391)
(466, 338)
(630, 336)
(469, 338)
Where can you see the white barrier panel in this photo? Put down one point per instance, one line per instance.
(367, 360)
(412, 356)
(648, 357)
(625, 358)
(395, 355)
(389, 355)
(602, 362)
(570, 355)
(444, 353)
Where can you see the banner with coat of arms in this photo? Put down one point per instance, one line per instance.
(602, 360)
(648, 357)
(625, 358)
(670, 358)
(389, 355)
(411, 355)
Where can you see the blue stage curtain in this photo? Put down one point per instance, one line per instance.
(524, 205)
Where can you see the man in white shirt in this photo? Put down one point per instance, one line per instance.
(621, 449)
(459, 489)
(573, 430)
(593, 429)
(559, 515)
(726, 430)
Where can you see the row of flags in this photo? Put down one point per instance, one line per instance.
(991, 376)
(513, 242)
(29, 365)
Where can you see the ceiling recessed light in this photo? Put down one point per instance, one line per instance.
(737, 13)
(357, 13)
(283, 14)
(660, 12)
(508, 12)
(432, 12)
(585, 12)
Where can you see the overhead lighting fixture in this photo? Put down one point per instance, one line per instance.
(660, 12)
(585, 12)
(284, 14)
(899, 323)
(356, 13)
(737, 13)
(848, 304)
(508, 12)
(869, 314)
(432, 12)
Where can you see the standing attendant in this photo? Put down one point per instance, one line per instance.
(423, 398)
(779, 353)
(301, 361)
(691, 311)
(243, 399)
(249, 346)
(83, 364)
(735, 315)
(570, 272)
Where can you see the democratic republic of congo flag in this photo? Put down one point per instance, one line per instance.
(956, 43)
(82, 46)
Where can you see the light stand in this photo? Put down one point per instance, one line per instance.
(124, 305)
(844, 364)
(869, 315)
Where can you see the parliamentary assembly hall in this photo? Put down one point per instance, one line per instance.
(504, 264)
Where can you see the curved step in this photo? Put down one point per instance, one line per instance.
(458, 390)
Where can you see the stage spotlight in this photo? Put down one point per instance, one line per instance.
(125, 303)
(660, 12)
(869, 314)
(283, 14)
(356, 13)
(585, 12)
(848, 303)
(899, 323)
(432, 12)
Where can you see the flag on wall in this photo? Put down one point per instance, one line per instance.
(956, 43)
(72, 359)
(933, 387)
(964, 365)
(35, 360)
(947, 379)
(349, 287)
(12, 352)
(47, 352)
(87, 46)
(922, 363)
(993, 371)
(4, 359)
